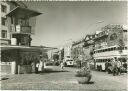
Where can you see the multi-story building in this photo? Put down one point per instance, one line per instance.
(88, 46)
(17, 51)
(67, 51)
(51, 52)
(77, 50)
(4, 31)
(109, 43)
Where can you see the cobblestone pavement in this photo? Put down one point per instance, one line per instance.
(58, 80)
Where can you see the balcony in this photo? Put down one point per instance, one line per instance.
(18, 29)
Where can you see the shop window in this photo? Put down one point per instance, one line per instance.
(3, 21)
(3, 8)
(4, 33)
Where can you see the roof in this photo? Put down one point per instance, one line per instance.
(23, 12)
(19, 3)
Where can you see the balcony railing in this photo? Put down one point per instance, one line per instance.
(21, 29)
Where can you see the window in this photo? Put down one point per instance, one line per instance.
(111, 49)
(11, 20)
(106, 50)
(4, 34)
(3, 20)
(113, 36)
(3, 8)
(114, 48)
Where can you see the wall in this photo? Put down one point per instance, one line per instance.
(5, 68)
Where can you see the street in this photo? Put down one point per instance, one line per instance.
(64, 80)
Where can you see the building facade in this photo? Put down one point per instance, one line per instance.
(51, 52)
(18, 52)
(110, 42)
(67, 51)
(4, 31)
(77, 50)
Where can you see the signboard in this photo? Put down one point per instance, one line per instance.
(18, 28)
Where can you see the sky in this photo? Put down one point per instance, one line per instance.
(63, 22)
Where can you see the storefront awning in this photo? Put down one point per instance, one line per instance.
(23, 12)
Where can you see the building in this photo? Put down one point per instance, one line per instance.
(77, 50)
(17, 54)
(52, 52)
(111, 42)
(4, 33)
(67, 51)
(88, 47)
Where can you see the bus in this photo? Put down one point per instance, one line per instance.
(101, 56)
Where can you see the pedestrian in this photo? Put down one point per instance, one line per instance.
(125, 66)
(37, 66)
(106, 66)
(62, 65)
(40, 68)
(109, 69)
(118, 63)
(114, 66)
(33, 65)
(45, 64)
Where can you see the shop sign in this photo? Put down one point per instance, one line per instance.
(18, 28)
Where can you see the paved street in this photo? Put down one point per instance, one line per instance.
(58, 80)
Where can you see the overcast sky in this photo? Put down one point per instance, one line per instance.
(65, 21)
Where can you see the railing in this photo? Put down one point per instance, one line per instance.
(21, 29)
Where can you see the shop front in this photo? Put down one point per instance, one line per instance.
(19, 60)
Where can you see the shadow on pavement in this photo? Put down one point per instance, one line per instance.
(91, 82)
(52, 71)
(4, 78)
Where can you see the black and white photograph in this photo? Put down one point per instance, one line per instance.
(64, 45)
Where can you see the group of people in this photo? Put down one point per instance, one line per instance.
(115, 67)
(38, 66)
